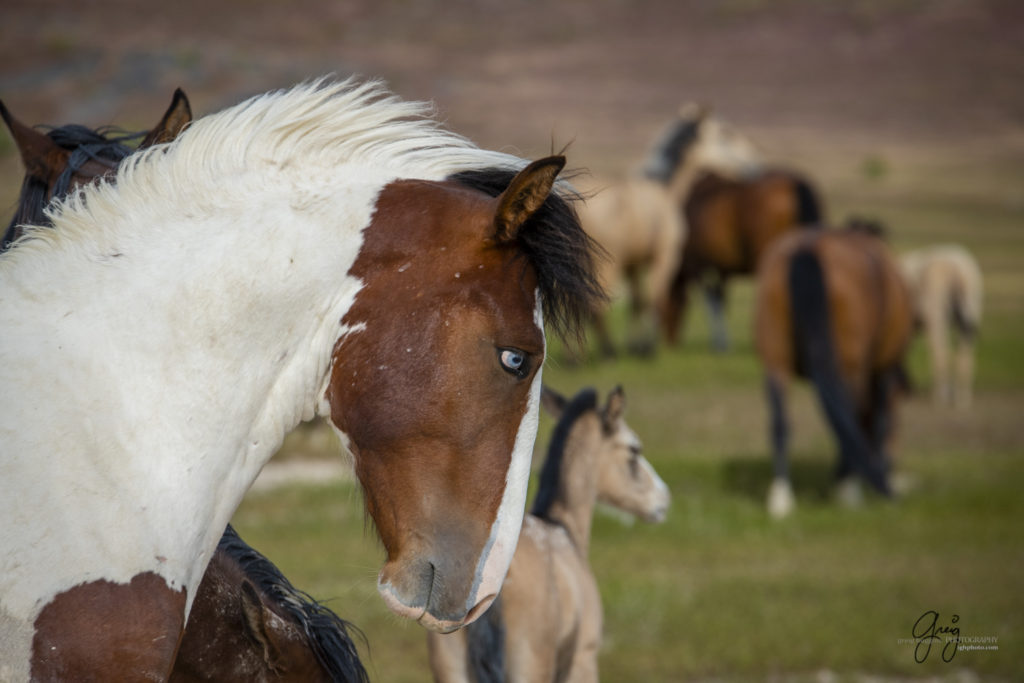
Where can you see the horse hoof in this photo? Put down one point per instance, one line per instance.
(849, 493)
(781, 501)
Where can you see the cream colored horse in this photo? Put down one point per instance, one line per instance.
(546, 623)
(639, 221)
(946, 286)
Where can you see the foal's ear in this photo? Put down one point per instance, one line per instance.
(255, 615)
(614, 409)
(38, 152)
(177, 116)
(552, 401)
(524, 195)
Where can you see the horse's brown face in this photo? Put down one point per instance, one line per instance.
(438, 394)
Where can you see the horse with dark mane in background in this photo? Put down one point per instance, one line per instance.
(547, 623)
(248, 623)
(730, 222)
(69, 156)
(832, 307)
(251, 625)
(639, 224)
(324, 250)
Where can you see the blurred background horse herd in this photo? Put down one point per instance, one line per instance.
(812, 219)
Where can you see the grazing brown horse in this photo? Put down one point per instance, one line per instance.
(947, 287)
(324, 250)
(638, 222)
(248, 623)
(546, 624)
(832, 307)
(731, 221)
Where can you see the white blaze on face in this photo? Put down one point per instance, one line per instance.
(497, 554)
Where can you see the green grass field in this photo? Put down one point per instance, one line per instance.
(720, 591)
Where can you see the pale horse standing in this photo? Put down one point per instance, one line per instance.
(639, 220)
(546, 624)
(946, 286)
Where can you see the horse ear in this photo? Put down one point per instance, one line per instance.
(694, 111)
(37, 150)
(552, 401)
(255, 617)
(524, 195)
(178, 115)
(614, 409)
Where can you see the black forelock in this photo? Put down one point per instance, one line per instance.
(328, 634)
(563, 256)
(550, 476)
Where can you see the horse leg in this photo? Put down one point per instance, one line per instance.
(604, 340)
(964, 370)
(714, 294)
(674, 312)
(780, 496)
(936, 323)
(642, 336)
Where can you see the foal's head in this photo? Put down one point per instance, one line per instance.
(625, 480)
(68, 157)
(697, 140)
(438, 395)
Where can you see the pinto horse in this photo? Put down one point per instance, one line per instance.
(546, 624)
(639, 224)
(248, 623)
(731, 222)
(324, 250)
(947, 288)
(832, 307)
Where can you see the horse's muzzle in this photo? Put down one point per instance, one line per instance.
(421, 593)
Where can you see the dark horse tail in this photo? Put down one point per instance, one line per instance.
(485, 646)
(816, 356)
(809, 212)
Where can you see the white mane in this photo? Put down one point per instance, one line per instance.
(297, 138)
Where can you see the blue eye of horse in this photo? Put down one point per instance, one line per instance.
(514, 362)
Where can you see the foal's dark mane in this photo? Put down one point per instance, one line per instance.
(106, 146)
(326, 632)
(561, 253)
(666, 156)
(551, 473)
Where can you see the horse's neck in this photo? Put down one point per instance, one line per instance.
(682, 180)
(198, 347)
(573, 506)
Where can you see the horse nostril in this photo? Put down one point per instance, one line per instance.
(479, 609)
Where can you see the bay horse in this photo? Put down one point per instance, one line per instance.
(731, 222)
(639, 224)
(248, 623)
(947, 289)
(67, 157)
(323, 250)
(546, 624)
(832, 307)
